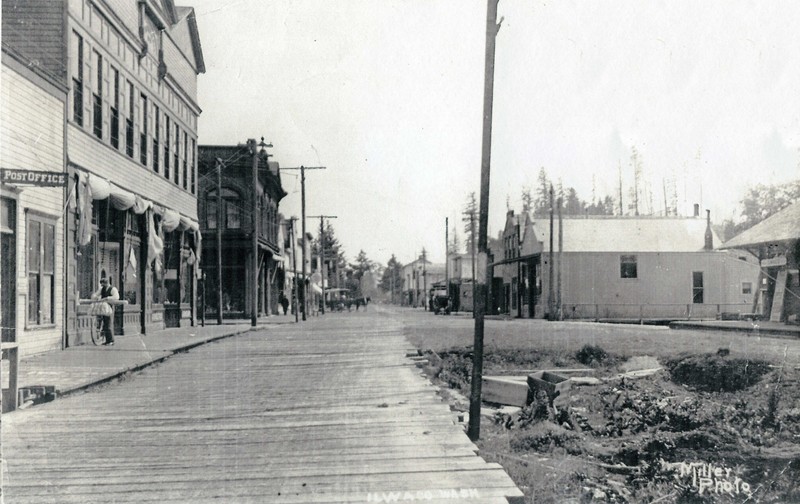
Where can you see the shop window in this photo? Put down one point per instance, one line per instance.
(158, 273)
(87, 283)
(41, 270)
(697, 287)
(628, 267)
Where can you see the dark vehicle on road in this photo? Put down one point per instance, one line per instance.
(440, 301)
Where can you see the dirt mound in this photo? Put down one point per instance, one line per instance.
(715, 373)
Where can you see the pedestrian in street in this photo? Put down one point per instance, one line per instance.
(105, 293)
(284, 301)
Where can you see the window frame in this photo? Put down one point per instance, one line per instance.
(156, 135)
(129, 120)
(629, 266)
(114, 128)
(144, 109)
(41, 276)
(77, 80)
(698, 289)
(97, 94)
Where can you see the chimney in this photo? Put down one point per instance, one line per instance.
(709, 244)
(696, 210)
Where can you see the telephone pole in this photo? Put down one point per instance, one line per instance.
(492, 27)
(322, 253)
(256, 211)
(303, 220)
(220, 164)
(294, 269)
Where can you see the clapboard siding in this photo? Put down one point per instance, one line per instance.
(89, 153)
(32, 136)
(180, 68)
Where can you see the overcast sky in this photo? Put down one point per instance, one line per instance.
(388, 95)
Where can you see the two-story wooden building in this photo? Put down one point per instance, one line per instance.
(32, 192)
(228, 203)
(131, 67)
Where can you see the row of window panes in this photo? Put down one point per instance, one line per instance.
(145, 67)
(182, 158)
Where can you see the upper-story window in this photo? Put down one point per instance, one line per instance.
(176, 161)
(185, 160)
(114, 107)
(143, 110)
(129, 121)
(97, 95)
(231, 209)
(166, 146)
(76, 61)
(193, 166)
(156, 136)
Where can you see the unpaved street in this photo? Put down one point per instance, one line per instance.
(330, 410)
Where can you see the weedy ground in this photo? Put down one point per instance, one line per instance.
(624, 439)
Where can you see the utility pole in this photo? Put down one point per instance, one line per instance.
(447, 255)
(303, 217)
(256, 211)
(550, 287)
(220, 164)
(294, 270)
(559, 308)
(492, 27)
(424, 281)
(322, 253)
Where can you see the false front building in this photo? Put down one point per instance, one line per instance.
(228, 203)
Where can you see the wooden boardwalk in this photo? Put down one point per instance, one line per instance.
(329, 410)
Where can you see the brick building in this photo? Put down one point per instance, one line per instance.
(229, 209)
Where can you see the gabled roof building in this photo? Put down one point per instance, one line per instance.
(644, 268)
(776, 243)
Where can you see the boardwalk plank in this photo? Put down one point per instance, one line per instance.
(327, 411)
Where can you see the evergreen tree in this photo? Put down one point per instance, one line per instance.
(392, 280)
(542, 201)
(470, 220)
(527, 200)
(761, 202)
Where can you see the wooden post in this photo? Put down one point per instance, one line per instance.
(492, 28)
(219, 241)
